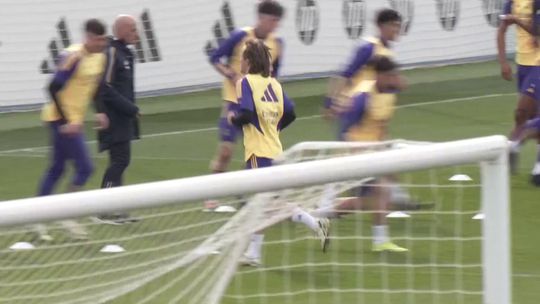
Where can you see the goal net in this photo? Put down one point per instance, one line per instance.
(178, 254)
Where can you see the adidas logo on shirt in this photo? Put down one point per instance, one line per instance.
(269, 95)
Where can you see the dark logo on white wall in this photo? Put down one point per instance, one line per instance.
(448, 11)
(56, 45)
(221, 29)
(146, 50)
(354, 17)
(307, 21)
(492, 10)
(406, 10)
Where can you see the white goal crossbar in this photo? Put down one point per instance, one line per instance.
(491, 152)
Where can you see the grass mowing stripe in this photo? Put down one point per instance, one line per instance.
(180, 132)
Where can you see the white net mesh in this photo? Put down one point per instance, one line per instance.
(182, 255)
(443, 264)
(112, 261)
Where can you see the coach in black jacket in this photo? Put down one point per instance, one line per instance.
(116, 104)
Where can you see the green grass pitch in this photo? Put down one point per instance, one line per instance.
(441, 104)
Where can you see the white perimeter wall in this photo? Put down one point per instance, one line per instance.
(183, 28)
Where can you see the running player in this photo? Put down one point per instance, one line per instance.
(264, 110)
(72, 89)
(389, 23)
(226, 60)
(372, 105)
(521, 12)
(357, 70)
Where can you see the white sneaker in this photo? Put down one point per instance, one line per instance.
(45, 237)
(249, 261)
(43, 234)
(115, 219)
(76, 231)
(398, 195)
(324, 232)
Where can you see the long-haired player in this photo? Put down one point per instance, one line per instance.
(264, 110)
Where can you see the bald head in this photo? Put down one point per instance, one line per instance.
(125, 28)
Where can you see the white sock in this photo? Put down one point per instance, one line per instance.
(73, 227)
(380, 234)
(537, 165)
(327, 211)
(515, 146)
(326, 204)
(300, 216)
(398, 195)
(255, 245)
(328, 196)
(41, 229)
(536, 169)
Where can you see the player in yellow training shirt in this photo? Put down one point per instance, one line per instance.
(226, 59)
(72, 88)
(357, 70)
(265, 110)
(522, 13)
(372, 106)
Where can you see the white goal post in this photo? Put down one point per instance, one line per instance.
(490, 151)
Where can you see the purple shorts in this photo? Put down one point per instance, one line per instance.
(366, 189)
(228, 132)
(255, 162)
(528, 80)
(66, 148)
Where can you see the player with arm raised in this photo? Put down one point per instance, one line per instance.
(358, 70)
(264, 110)
(72, 89)
(226, 60)
(269, 16)
(371, 106)
(521, 13)
(389, 26)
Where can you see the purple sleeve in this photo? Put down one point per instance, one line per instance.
(288, 104)
(278, 61)
(361, 57)
(227, 47)
(355, 113)
(233, 107)
(327, 104)
(533, 124)
(246, 101)
(536, 17)
(245, 111)
(61, 76)
(507, 9)
(288, 113)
